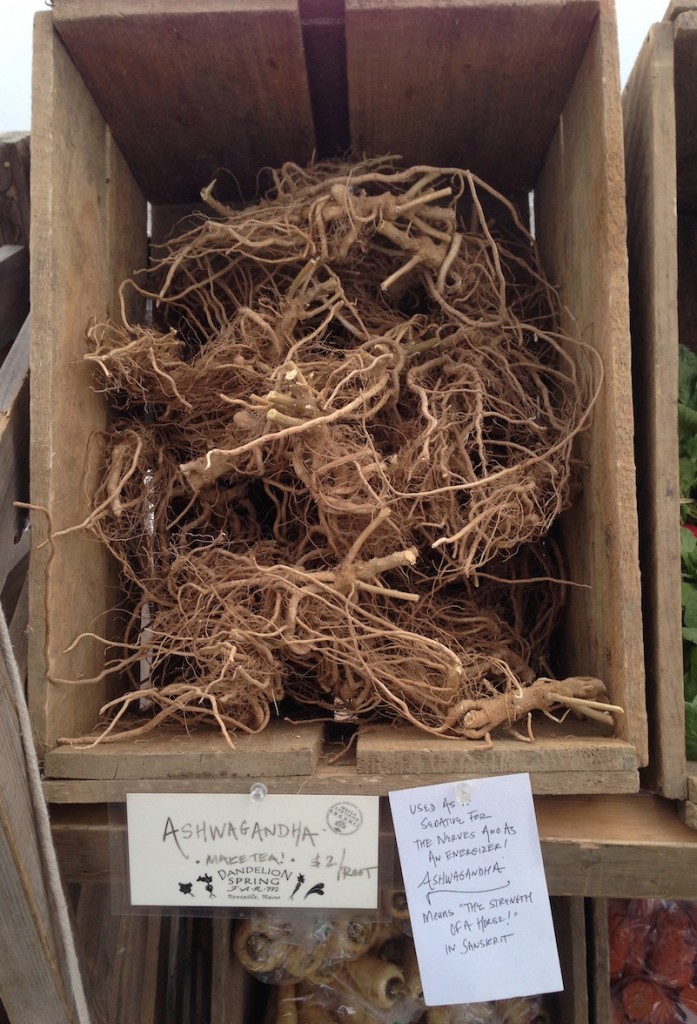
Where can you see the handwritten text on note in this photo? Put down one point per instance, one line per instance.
(477, 895)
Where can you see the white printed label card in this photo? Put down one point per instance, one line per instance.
(225, 850)
(476, 889)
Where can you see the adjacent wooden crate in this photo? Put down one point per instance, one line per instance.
(571, 1004)
(145, 103)
(601, 950)
(661, 167)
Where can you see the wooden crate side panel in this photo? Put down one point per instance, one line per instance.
(491, 99)
(80, 201)
(571, 1005)
(685, 44)
(653, 281)
(34, 983)
(194, 92)
(600, 961)
(581, 225)
(14, 450)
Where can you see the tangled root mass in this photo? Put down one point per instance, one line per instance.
(337, 452)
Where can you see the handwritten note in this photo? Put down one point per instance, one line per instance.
(475, 885)
(223, 850)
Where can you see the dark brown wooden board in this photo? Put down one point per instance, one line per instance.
(324, 37)
(14, 188)
(14, 291)
(650, 164)
(14, 450)
(685, 43)
(464, 83)
(194, 91)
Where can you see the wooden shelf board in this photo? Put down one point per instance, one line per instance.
(624, 846)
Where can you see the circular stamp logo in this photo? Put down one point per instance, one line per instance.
(344, 818)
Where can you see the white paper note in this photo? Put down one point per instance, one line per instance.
(476, 889)
(223, 850)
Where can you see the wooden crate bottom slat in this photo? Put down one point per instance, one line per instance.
(298, 758)
(385, 750)
(294, 758)
(281, 749)
(329, 781)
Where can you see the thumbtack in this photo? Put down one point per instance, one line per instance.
(463, 793)
(257, 792)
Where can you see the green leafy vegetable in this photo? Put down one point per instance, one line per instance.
(687, 434)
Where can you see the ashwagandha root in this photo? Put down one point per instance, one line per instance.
(338, 450)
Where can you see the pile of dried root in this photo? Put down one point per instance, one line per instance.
(337, 450)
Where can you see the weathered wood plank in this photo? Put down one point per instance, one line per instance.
(677, 7)
(624, 846)
(171, 753)
(14, 188)
(627, 847)
(96, 933)
(34, 984)
(230, 983)
(335, 780)
(491, 98)
(176, 131)
(650, 140)
(571, 1005)
(600, 962)
(14, 291)
(295, 756)
(688, 813)
(383, 750)
(19, 624)
(120, 956)
(86, 211)
(581, 227)
(14, 449)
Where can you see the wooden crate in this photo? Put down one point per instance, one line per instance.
(601, 978)
(659, 115)
(143, 103)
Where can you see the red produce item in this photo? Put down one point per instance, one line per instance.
(621, 928)
(647, 1003)
(673, 954)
